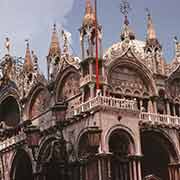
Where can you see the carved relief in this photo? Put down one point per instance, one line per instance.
(40, 103)
(127, 80)
(175, 88)
(70, 86)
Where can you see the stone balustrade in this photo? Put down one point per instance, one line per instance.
(102, 101)
(160, 118)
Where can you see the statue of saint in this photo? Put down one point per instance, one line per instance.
(7, 45)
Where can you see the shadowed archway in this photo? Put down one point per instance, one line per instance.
(9, 111)
(121, 146)
(21, 167)
(158, 153)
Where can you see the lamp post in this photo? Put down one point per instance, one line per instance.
(94, 138)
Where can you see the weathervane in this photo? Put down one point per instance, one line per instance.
(125, 7)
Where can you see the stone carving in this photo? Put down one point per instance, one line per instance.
(70, 86)
(40, 103)
(127, 81)
(175, 89)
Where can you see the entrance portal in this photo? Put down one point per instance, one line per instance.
(157, 151)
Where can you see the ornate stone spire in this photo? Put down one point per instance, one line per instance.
(151, 40)
(151, 34)
(54, 49)
(28, 64)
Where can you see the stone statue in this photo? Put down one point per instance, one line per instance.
(7, 45)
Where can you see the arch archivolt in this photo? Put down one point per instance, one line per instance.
(80, 135)
(39, 101)
(131, 74)
(130, 134)
(10, 106)
(167, 141)
(68, 83)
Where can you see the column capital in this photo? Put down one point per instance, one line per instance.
(135, 156)
(174, 164)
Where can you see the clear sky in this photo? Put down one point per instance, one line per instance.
(33, 20)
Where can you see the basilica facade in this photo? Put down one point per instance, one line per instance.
(61, 127)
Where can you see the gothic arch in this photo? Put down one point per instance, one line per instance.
(21, 167)
(138, 67)
(69, 75)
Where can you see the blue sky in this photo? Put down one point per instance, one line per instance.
(33, 20)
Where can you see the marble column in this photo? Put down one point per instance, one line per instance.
(168, 107)
(82, 48)
(92, 88)
(150, 106)
(174, 110)
(82, 94)
(104, 166)
(135, 167)
(174, 171)
(141, 104)
(91, 68)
